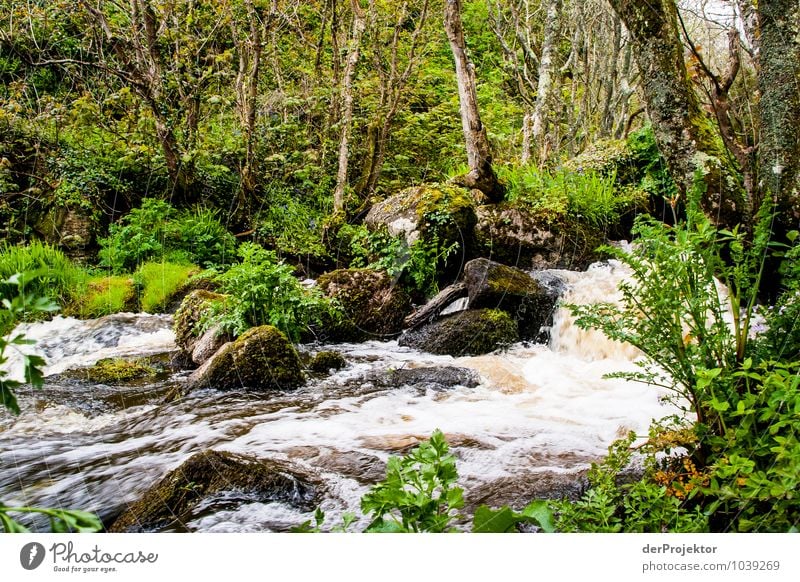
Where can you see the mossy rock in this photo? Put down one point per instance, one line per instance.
(372, 306)
(193, 307)
(261, 359)
(440, 215)
(512, 234)
(114, 371)
(467, 333)
(169, 504)
(529, 302)
(325, 361)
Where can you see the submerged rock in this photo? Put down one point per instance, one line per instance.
(495, 286)
(428, 377)
(467, 333)
(260, 359)
(114, 371)
(372, 305)
(169, 503)
(325, 361)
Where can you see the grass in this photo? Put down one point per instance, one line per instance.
(103, 295)
(160, 282)
(49, 273)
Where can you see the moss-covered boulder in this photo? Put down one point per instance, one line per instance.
(514, 235)
(372, 305)
(325, 361)
(169, 504)
(114, 371)
(260, 359)
(193, 307)
(529, 302)
(467, 333)
(439, 216)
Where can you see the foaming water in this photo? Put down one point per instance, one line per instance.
(538, 411)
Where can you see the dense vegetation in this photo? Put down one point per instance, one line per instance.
(155, 147)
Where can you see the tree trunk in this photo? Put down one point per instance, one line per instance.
(479, 157)
(543, 112)
(779, 107)
(359, 23)
(687, 138)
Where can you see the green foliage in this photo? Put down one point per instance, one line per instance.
(159, 283)
(741, 459)
(15, 304)
(157, 230)
(589, 197)
(418, 494)
(651, 169)
(506, 520)
(50, 273)
(641, 506)
(264, 291)
(291, 225)
(61, 520)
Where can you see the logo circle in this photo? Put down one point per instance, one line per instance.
(31, 555)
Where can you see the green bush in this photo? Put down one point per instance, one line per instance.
(158, 283)
(741, 457)
(156, 230)
(264, 291)
(49, 273)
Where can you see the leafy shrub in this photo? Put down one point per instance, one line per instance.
(419, 492)
(159, 282)
(264, 290)
(292, 226)
(157, 230)
(49, 273)
(741, 454)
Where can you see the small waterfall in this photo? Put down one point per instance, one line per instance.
(600, 283)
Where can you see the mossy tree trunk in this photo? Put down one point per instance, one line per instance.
(481, 174)
(544, 113)
(779, 106)
(686, 136)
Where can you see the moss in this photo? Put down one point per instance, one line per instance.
(325, 361)
(104, 296)
(114, 371)
(160, 283)
(468, 333)
(190, 313)
(168, 505)
(371, 305)
(260, 359)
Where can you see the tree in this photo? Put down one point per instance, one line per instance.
(543, 113)
(689, 141)
(481, 174)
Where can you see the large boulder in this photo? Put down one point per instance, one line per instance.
(467, 333)
(439, 216)
(372, 305)
(169, 504)
(197, 345)
(513, 235)
(495, 286)
(261, 359)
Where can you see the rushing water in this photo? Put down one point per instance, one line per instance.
(538, 417)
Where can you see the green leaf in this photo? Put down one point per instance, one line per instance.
(488, 520)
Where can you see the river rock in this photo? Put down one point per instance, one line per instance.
(260, 359)
(467, 333)
(428, 377)
(372, 305)
(495, 286)
(194, 306)
(168, 505)
(208, 344)
(513, 235)
(327, 360)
